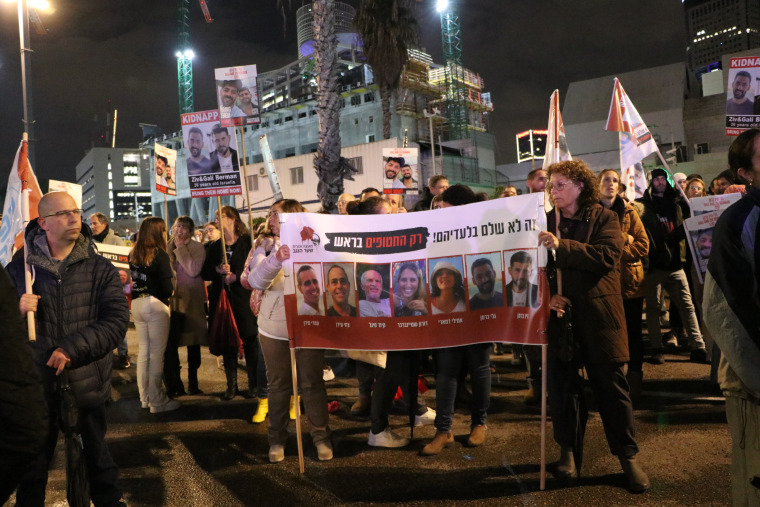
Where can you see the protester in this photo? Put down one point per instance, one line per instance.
(369, 192)
(680, 180)
(102, 232)
(343, 200)
(663, 220)
(588, 251)
(509, 191)
(721, 182)
(223, 267)
(731, 301)
(267, 275)
(211, 233)
(450, 361)
(188, 327)
(81, 315)
(23, 411)
(152, 286)
(436, 185)
(635, 249)
(695, 187)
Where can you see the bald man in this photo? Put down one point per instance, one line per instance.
(81, 315)
(343, 201)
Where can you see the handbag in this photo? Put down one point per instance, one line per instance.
(255, 302)
(376, 357)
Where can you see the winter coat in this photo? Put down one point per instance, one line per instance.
(266, 274)
(82, 310)
(664, 247)
(188, 303)
(23, 411)
(731, 300)
(238, 295)
(111, 239)
(631, 263)
(590, 264)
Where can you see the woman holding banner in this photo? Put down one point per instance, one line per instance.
(635, 248)
(449, 361)
(152, 286)
(266, 274)
(226, 276)
(586, 289)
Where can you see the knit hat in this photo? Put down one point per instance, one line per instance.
(659, 172)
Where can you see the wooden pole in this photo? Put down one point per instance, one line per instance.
(542, 476)
(247, 190)
(299, 434)
(221, 228)
(31, 330)
(166, 212)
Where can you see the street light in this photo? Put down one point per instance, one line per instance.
(442, 5)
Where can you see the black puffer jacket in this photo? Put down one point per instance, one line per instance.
(82, 309)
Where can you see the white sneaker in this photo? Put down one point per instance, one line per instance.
(166, 407)
(276, 453)
(387, 438)
(425, 419)
(324, 451)
(327, 374)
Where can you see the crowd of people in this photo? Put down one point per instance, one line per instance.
(615, 256)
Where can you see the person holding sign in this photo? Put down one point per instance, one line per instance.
(266, 274)
(588, 251)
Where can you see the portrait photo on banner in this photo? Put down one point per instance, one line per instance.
(309, 295)
(340, 288)
(400, 171)
(485, 281)
(447, 292)
(409, 289)
(374, 288)
(521, 278)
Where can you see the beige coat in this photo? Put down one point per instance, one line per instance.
(187, 304)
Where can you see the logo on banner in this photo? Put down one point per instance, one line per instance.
(308, 235)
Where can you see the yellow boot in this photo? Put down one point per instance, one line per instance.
(261, 412)
(293, 408)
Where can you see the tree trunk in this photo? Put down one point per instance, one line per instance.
(385, 99)
(327, 161)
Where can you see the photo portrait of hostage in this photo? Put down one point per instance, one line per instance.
(309, 295)
(703, 242)
(338, 285)
(161, 164)
(520, 291)
(447, 294)
(224, 157)
(738, 103)
(409, 291)
(228, 91)
(391, 170)
(374, 296)
(485, 281)
(197, 162)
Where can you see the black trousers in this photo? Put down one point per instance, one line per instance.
(633, 308)
(610, 389)
(103, 472)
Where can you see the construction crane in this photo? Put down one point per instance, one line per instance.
(185, 54)
(455, 108)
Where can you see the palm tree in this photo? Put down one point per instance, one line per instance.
(388, 29)
(330, 167)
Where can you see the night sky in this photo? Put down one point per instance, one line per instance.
(123, 51)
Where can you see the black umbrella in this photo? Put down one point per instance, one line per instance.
(77, 481)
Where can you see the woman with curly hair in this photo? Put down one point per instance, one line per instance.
(587, 250)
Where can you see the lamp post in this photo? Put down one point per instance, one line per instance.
(26, 76)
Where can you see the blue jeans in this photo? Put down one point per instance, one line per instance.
(449, 362)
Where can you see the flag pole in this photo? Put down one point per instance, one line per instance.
(27, 269)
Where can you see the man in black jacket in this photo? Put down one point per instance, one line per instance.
(663, 219)
(81, 315)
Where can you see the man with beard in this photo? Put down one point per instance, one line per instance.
(536, 181)
(704, 243)
(161, 169)
(484, 277)
(308, 286)
(223, 156)
(374, 305)
(392, 168)
(245, 102)
(406, 177)
(198, 163)
(740, 104)
(339, 288)
(520, 292)
(228, 94)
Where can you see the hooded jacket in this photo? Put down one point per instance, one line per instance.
(82, 309)
(663, 220)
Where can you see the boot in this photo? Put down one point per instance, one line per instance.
(192, 381)
(261, 412)
(441, 440)
(533, 396)
(293, 407)
(638, 482)
(361, 407)
(477, 436)
(566, 464)
(230, 371)
(635, 380)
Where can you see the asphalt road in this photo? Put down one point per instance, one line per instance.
(207, 453)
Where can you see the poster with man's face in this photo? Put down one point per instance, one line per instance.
(164, 165)
(237, 95)
(400, 171)
(743, 95)
(210, 155)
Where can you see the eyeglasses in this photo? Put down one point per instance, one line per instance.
(65, 213)
(696, 187)
(559, 187)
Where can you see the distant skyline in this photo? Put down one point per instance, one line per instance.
(101, 50)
